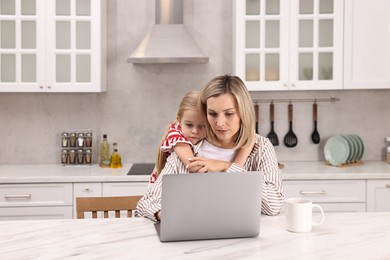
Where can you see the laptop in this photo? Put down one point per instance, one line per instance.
(210, 206)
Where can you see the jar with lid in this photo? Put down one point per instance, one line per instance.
(64, 156)
(80, 156)
(72, 156)
(65, 139)
(88, 156)
(88, 140)
(80, 140)
(73, 139)
(388, 149)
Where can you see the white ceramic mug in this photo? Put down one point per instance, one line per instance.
(299, 215)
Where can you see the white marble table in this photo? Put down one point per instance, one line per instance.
(342, 235)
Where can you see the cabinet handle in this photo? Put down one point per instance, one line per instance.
(292, 85)
(312, 192)
(285, 85)
(17, 196)
(87, 189)
(387, 186)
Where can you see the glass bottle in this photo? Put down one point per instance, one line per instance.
(116, 160)
(104, 153)
(88, 156)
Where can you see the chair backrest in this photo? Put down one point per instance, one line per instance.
(106, 204)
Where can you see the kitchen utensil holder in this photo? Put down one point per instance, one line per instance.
(296, 100)
(76, 147)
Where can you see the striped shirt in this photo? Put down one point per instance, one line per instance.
(262, 158)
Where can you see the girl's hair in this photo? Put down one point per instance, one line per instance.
(233, 85)
(189, 102)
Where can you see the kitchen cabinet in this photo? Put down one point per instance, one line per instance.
(87, 189)
(367, 41)
(36, 201)
(124, 188)
(332, 195)
(378, 195)
(52, 46)
(289, 45)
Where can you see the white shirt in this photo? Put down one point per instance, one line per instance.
(210, 151)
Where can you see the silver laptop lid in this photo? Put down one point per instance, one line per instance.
(210, 206)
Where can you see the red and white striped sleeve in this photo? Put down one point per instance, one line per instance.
(174, 136)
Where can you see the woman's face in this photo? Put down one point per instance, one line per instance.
(192, 127)
(222, 114)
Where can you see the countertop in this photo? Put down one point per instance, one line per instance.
(341, 236)
(50, 173)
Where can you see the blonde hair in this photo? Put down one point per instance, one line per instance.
(233, 85)
(189, 102)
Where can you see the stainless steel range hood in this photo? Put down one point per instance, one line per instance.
(169, 41)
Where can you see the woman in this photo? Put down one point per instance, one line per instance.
(227, 105)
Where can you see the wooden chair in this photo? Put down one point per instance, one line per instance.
(106, 204)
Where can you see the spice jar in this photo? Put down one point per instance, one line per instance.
(88, 140)
(64, 156)
(72, 156)
(88, 156)
(65, 139)
(73, 140)
(80, 140)
(80, 156)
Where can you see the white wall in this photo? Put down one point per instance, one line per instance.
(142, 99)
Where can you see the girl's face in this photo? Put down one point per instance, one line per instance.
(192, 127)
(222, 114)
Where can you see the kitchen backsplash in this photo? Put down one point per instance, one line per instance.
(142, 99)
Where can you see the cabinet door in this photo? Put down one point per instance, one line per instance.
(367, 44)
(75, 44)
(261, 51)
(289, 45)
(316, 37)
(124, 188)
(93, 189)
(378, 195)
(327, 191)
(22, 46)
(31, 213)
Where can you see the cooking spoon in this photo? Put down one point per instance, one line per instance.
(315, 136)
(272, 135)
(290, 140)
(256, 107)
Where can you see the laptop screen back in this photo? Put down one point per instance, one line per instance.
(210, 206)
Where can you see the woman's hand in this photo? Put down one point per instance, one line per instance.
(199, 164)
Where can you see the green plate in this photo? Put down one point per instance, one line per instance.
(361, 147)
(357, 147)
(336, 150)
(351, 148)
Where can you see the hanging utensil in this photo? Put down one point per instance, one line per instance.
(272, 135)
(290, 140)
(315, 136)
(256, 107)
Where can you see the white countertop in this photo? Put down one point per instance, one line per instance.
(38, 173)
(341, 236)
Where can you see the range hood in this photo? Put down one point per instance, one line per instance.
(169, 41)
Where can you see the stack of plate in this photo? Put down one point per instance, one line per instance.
(343, 149)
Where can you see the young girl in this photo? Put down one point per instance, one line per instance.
(186, 131)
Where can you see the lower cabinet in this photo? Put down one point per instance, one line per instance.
(36, 201)
(332, 195)
(124, 188)
(378, 195)
(106, 189)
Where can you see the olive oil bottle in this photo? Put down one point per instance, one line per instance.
(116, 160)
(104, 153)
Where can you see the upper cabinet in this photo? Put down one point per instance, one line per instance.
(367, 44)
(289, 45)
(52, 46)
